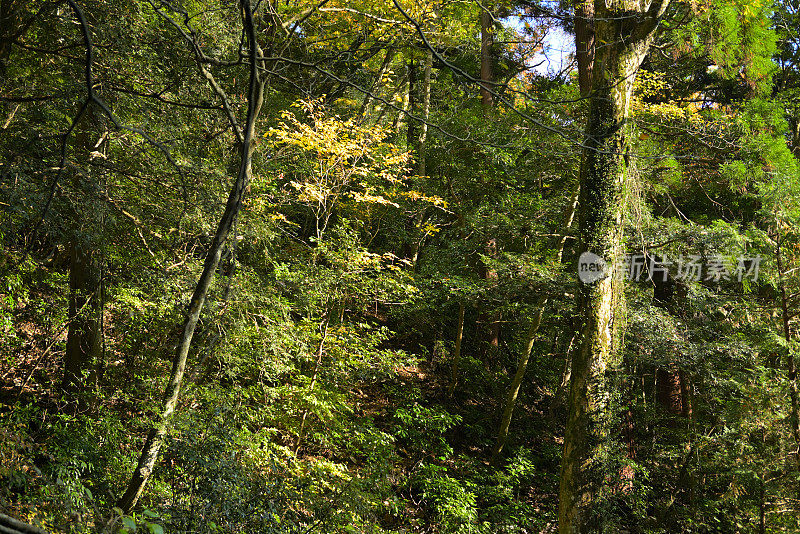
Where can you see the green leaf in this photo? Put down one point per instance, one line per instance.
(129, 523)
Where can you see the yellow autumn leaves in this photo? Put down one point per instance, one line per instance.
(331, 160)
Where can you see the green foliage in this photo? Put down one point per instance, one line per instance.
(424, 429)
(317, 391)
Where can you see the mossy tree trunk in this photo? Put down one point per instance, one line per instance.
(625, 28)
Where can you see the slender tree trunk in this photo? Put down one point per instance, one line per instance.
(487, 76)
(411, 127)
(457, 350)
(426, 111)
(403, 111)
(387, 60)
(791, 370)
(490, 320)
(522, 364)
(314, 375)
(156, 435)
(569, 219)
(603, 187)
(83, 335)
(566, 374)
(511, 398)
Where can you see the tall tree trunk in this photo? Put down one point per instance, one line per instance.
(565, 378)
(457, 350)
(584, 44)
(490, 320)
(671, 390)
(791, 370)
(603, 187)
(411, 127)
(403, 111)
(487, 76)
(155, 437)
(83, 335)
(568, 221)
(426, 111)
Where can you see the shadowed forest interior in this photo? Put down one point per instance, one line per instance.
(399, 266)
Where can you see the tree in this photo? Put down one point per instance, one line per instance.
(603, 192)
(255, 98)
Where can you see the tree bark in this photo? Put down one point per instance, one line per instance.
(403, 111)
(155, 437)
(83, 335)
(457, 350)
(426, 111)
(604, 179)
(516, 382)
(487, 76)
(791, 369)
(671, 390)
(491, 319)
(584, 44)
(411, 129)
(387, 60)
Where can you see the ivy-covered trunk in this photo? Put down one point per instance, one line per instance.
(625, 30)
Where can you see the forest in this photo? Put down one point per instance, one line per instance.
(399, 266)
